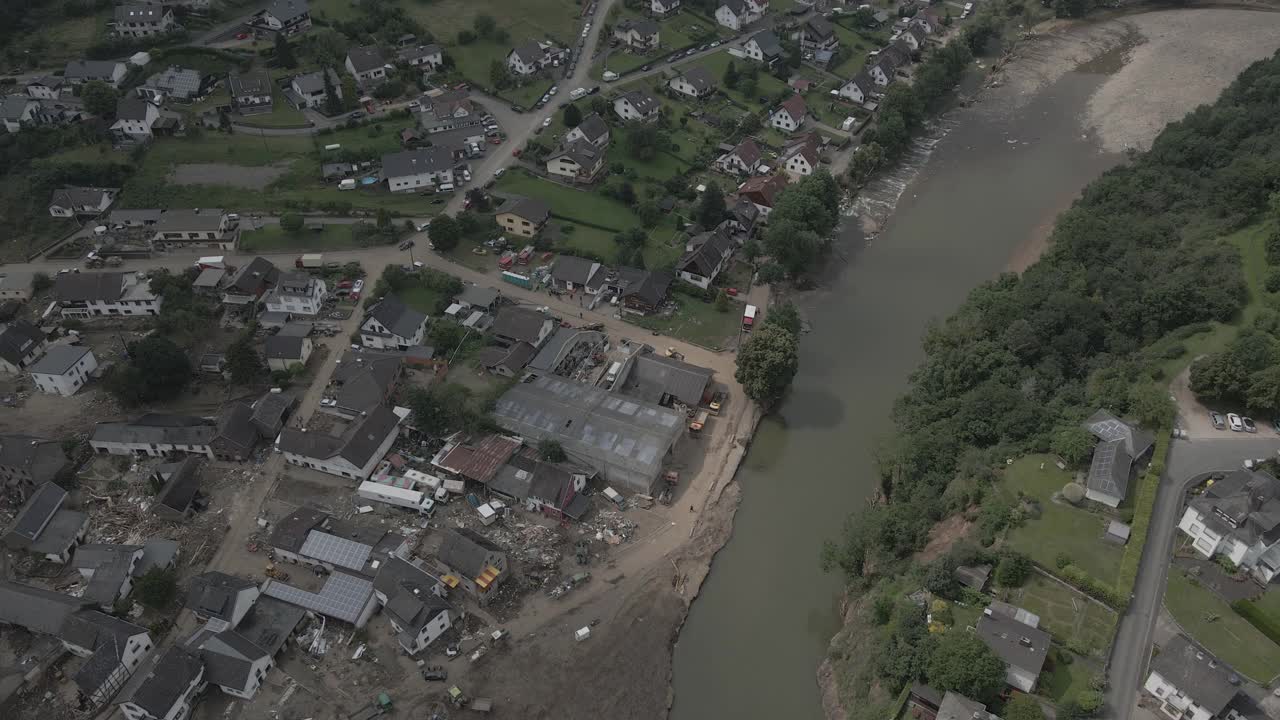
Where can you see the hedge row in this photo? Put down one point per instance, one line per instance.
(585, 223)
(1143, 506)
(1094, 588)
(1266, 624)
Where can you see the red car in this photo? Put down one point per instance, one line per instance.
(242, 36)
(516, 152)
(731, 292)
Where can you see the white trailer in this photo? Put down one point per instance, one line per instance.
(390, 494)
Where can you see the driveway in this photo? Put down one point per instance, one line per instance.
(1188, 461)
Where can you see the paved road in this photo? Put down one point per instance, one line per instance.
(1188, 460)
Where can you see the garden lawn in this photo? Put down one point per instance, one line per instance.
(1216, 626)
(1269, 604)
(766, 85)
(282, 115)
(696, 322)
(1060, 528)
(1060, 681)
(59, 38)
(420, 298)
(1068, 615)
(273, 238)
(568, 203)
(854, 47)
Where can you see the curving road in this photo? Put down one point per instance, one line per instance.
(1188, 461)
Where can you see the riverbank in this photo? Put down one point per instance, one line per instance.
(1137, 56)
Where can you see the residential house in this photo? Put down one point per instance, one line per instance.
(108, 570)
(737, 14)
(64, 369)
(955, 706)
(643, 292)
(1238, 516)
(297, 293)
(173, 83)
(210, 281)
(637, 105)
(154, 435)
(283, 16)
(366, 65)
(179, 489)
(507, 361)
(352, 455)
(113, 648)
(231, 661)
(1190, 683)
(45, 527)
(307, 90)
(576, 162)
(764, 47)
(523, 216)
(271, 411)
(28, 462)
(39, 610)
(135, 218)
(641, 35)
(236, 435)
(706, 255)
(475, 568)
(218, 596)
(742, 160)
(592, 129)
(14, 286)
(1014, 635)
(139, 21)
(816, 34)
(392, 325)
(476, 461)
(1121, 445)
(663, 9)
(316, 540)
(763, 191)
(108, 71)
(574, 274)
(199, 227)
(859, 88)
(414, 170)
(476, 298)
(95, 294)
(928, 22)
(48, 87)
(164, 688)
(800, 156)
(81, 201)
(517, 324)
(533, 56)
(554, 489)
(429, 55)
(284, 352)
(789, 116)
(695, 81)
(413, 601)
(898, 52)
(250, 92)
(882, 71)
(250, 282)
(18, 111)
(364, 380)
(914, 37)
(135, 120)
(21, 344)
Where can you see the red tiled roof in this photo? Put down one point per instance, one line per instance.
(794, 106)
(481, 461)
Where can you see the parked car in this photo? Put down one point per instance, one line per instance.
(546, 123)
(498, 173)
(1249, 427)
(1233, 421)
(1218, 422)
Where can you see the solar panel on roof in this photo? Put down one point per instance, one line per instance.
(333, 549)
(343, 596)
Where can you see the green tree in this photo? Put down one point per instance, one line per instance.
(350, 93)
(770, 273)
(291, 222)
(284, 52)
(572, 116)
(1264, 389)
(41, 282)
(1072, 443)
(865, 161)
(157, 369)
(964, 664)
(767, 363)
(643, 141)
(157, 588)
(499, 76)
(748, 86)
(791, 245)
(649, 213)
(711, 206)
(722, 302)
(731, 75)
(786, 316)
(444, 408)
(484, 25)
(444, 232)
(1023, 707)
(243, 361)
(99, 98)
(1151, 405)
(1013, 570)
(551, 451)
(332, 103)
(1090, 702)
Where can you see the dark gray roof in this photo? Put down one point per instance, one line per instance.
(35, 515)
(110, 575)
(410, 593)
(287, 10)
(156, 553)
(313, 82)
(90, 69)
(228, 657)
(142, 431)
(292, 531)
(212, 594)
(366, 58)
(85, 286)
(462, 554)
(257, 82)
(74, 197)
(366, 378)
(520, 324)
(235, 426)
(414, 162)
(593, 127)
(651, 287)
(161, 680)
(284, 347)
(1019, 645)
(41, 459)
(531, 209)
(1244, 505)
(654, 376)
(707, 254)
(645, 27)
(737, 6)
(397, 317)
(270, 412)
(570, 268)
(581, 152)
(768, 43)
(818, 28)
(92, 556)
(107, 637)
(477, 296)
(14, 107)
(642, 100)
(1197, 673)
(363, 441)
(529, 52)
(1109, 469)
(182, 485)
(513, 358)
(209, 278)
(269, 623)
(132, 107)
(17, 339)
(59, 359)
(415, 53)
(1107, 426)
(176, 81)
(191, 220)
(958, 707)
(254, 275)
(699, 77)
(974, 576)
(35, 609)
(60, 533)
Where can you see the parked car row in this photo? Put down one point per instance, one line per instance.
(1236, 423)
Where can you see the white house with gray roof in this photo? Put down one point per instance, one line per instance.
(139, 21)
(353, 455)
(72, 201)
(418, 170)
(1238, 516)
(197, 227)
(21, 344)
(663, 9)
(172, 83)
(109, 570)
(283, 16)
(1121, 445)
(366, 64)
(297, 293)
(108, 71)
(392, 325)
(637, 105)
(1192, 684)
(113, 650)
(218, 596)
(16, 285)
(695, 82)
(19, 111)
(532, 56)
(165, 687)
(135, 120)
(96, 294)
(1015, 636)
(413, 601)
(576, 162)
(592, 129)
(642, 35)
(64, 369)
(307, 90)
(28, 462)
(155, 435)
(737, 14)
(430, 55)
(44, 526)
(250, 92)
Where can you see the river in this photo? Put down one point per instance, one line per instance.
(972, 199)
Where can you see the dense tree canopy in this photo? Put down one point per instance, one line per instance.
(962, 663)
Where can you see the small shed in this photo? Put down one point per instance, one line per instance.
(1118, 533)
(973, 576)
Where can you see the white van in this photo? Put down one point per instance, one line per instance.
(348, 184)
(446, 187)
(614, 370)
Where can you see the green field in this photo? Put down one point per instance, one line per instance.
(1216, 626)
(273, 239)
(696, 322)
(1068, 615)
(1060, 527)
(58, 38)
